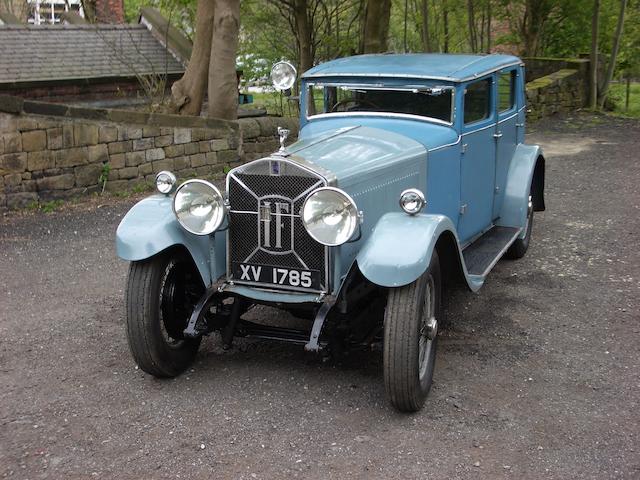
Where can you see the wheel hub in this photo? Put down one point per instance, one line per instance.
(431, 328)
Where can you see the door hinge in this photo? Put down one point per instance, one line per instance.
(464, 148)
(463, 209)
(519, 125)
(497, 190)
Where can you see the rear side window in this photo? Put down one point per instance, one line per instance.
(477, 101)
(506, 90)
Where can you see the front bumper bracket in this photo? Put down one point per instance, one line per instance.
(313, 345)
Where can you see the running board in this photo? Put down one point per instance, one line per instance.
(484, 253)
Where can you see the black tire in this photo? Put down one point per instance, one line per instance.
(161, 293)
(407, 376)
(519, 248)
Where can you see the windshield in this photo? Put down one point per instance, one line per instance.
(431, 102)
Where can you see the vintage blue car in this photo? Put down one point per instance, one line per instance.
(410, 176)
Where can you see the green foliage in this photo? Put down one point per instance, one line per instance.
(182, 13)
(45, 207)
(629, 57)
(268, 31)
(142, 187)
(104, 175)
(617, 95)
(48, 207)
(265, 38)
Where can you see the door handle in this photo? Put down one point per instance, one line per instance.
(497, 135)
(519, 125)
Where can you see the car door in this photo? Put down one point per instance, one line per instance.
(506, 131)
(477, 162)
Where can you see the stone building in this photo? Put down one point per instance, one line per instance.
(90, 62)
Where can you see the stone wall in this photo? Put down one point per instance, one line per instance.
(556, 85)
(537, 67)
(562, 91)
(50, 152)
(84, 91)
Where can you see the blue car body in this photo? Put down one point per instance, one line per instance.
(410, 176)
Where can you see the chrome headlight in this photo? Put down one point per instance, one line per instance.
(199, 207)
(165, 182)
(330, 216)
(412, 201)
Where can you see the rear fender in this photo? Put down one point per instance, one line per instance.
(150, 227)
(400, 246)
(526, 174)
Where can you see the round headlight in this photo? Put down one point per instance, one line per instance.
(283, 76)
(199, 207)
(330, 216)
(165, 181)
(412, 201)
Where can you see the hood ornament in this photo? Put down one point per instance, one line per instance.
(283, 133)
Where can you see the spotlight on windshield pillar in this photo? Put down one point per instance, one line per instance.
(283, 77)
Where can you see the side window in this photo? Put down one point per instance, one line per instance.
(506, 91)
(314, 100)
(477, 101)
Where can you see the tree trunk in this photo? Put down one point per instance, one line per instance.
(187, 93)
(406, 15)
(376, 26)
(593, 65)
(223, 82)
(472, 24)
(614, 54)
(480, 33)
(424, 9)
(303, 35)
(489, 13)
(536, 14)
(89, 9)
(445, 26)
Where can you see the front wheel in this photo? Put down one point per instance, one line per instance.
(410, 338)
(161, 294)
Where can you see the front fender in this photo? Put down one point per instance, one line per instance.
(151, 227)
(400, 246)
(518, 186)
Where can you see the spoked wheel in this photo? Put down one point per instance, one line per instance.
(410, 339)
(161, 294)
(519, 248)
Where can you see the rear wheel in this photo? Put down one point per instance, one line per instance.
(519, 248)
(161, 294)
(410, 339)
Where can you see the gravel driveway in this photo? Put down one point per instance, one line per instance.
(537, 377)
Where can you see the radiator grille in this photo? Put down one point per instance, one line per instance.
(263, 190)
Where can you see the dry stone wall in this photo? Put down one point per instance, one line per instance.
(47, 157)
(560, 92)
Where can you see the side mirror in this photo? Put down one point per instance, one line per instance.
(283, 77)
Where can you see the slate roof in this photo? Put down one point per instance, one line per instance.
(450, 67)
(45, 53)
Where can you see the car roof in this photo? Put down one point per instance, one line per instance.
(439, 66)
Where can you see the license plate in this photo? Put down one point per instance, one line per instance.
(288, 277)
